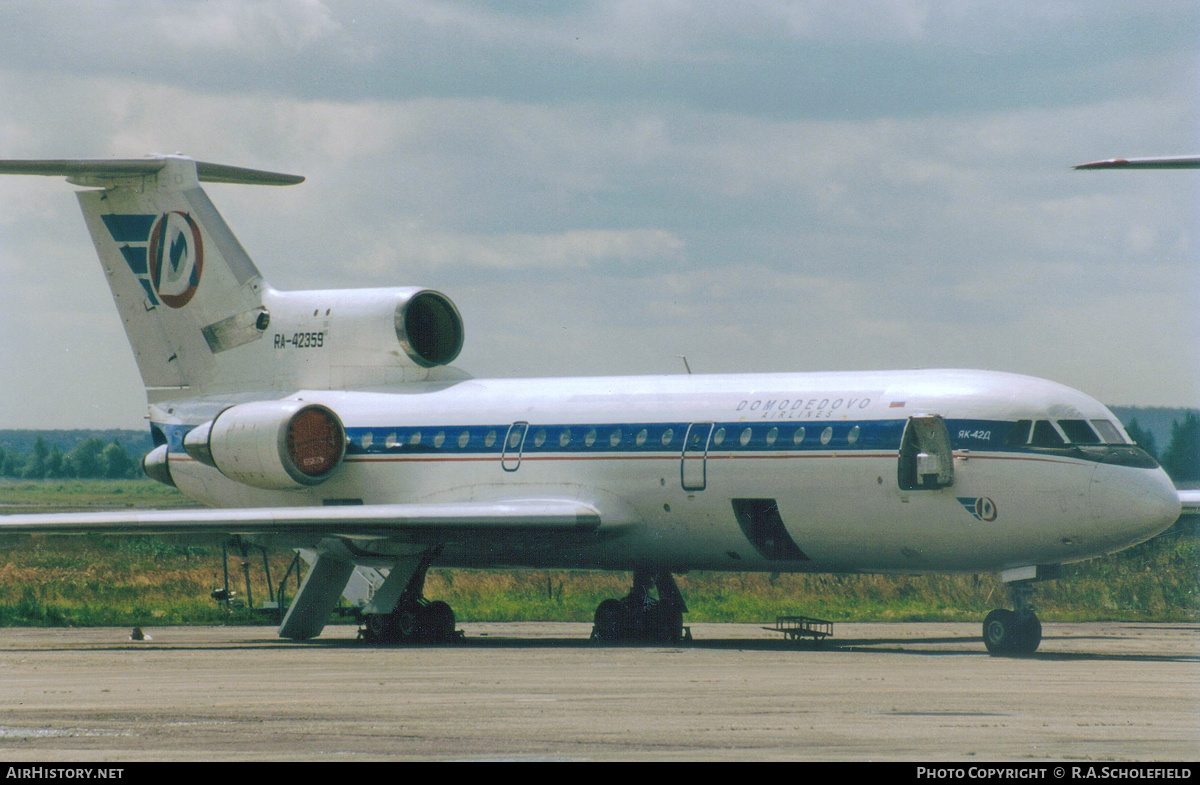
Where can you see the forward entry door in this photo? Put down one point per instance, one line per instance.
(926, 460)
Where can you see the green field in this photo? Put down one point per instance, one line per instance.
(111, 580)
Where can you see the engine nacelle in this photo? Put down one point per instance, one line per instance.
(277, 445)
(411, 327)
(429, 328)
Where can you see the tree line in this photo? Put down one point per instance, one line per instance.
(90, 459)
(1181, 458)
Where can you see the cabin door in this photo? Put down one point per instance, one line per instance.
(926, 460)
(693, 471)
(510, 457)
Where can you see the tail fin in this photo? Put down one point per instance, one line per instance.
(159, 237)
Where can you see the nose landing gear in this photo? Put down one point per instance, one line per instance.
(1015, 632)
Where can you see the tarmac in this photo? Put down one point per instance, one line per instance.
(541, 691)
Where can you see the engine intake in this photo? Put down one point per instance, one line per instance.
(429, 328)
(276, 445)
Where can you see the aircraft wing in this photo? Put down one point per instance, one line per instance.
(416, 522)
(1178, 162)
(1189, 501)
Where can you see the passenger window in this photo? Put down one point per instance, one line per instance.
(772, 435)
(589, 438)
(719, 437)
(798, 436)
(439, 438)
(667, 436)
(415, 439)
(826, 435)
(641, 437)
(615, 438)
(1079, 432)
(852, 437)
(745, 437)
(463, 438)
(539, 438)
(1045, 435)
(490, 439)
(564, 438)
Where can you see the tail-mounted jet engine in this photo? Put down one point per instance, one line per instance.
(429, 328)
(278, 445)
(378, 328)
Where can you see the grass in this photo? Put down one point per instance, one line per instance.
(137, 580)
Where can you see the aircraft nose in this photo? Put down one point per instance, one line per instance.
(1131, 505)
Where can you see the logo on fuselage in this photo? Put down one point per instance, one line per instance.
(983, 508)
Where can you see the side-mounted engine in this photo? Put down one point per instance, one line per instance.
(277, 445)
(396, 327)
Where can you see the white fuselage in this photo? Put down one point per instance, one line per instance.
(815, 453)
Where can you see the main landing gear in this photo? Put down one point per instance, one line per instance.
(640, 618)
(412, 618)
(1015, 632)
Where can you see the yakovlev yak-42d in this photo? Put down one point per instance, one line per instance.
(333, 421)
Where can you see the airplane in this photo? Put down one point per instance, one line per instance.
(1171, 162)
(334, 421)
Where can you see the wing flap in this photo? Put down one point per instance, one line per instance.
(359, 521)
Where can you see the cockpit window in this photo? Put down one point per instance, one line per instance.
(1019, 434)
(1079, 432)
(1109, 433)
(1046, 435)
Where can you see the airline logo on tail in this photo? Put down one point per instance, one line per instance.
(164, 252)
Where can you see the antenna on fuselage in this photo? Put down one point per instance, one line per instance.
(685, 363)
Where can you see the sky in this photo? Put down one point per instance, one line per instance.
(602, 187)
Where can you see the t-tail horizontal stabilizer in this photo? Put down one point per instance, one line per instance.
(101, 172)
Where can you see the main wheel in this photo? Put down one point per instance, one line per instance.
(378, 628)
(611, 621)
(435, 622)
(667, 626)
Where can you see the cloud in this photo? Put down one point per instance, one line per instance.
(571, 252)
(763, 186)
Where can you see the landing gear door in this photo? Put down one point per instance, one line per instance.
(926, 462)
(692, 471)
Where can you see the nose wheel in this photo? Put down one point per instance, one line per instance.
(1016, 632)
